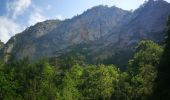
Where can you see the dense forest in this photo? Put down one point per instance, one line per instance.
(46, 80)
(71, 78)
(105, 53)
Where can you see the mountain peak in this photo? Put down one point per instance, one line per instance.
(153, 5)
(154, 2)
(103, 8)
(100, 6)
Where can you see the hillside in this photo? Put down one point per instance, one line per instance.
(103, 30)
(1, 44)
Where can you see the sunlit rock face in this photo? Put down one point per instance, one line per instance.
(102, 27)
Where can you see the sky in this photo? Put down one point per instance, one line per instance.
(16, 15)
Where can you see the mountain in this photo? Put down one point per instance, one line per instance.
(147, 22)
(100, 29)
(1, 44)
(46, 38)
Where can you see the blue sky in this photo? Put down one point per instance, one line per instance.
(16, 15)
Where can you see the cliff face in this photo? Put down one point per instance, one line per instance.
(102, 27)
(146, 22)
(1, 44)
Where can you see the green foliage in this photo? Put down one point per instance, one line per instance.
(143, 69)
(137, 83)
(162, 90)
(147, 53)
(29, 80)
(7, 88)
(69, 60)
(70, 83)
(72, 79)
(123, 88)
(100, 81)
(119, 58)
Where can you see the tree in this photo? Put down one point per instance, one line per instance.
(30, 81)
(70, 59)
(8, 86)
(162, 91)
(123, 88)
(70, 83)
(143, 69)
(100, 82)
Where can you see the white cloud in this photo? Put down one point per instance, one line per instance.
(36, 17)
(60, 17)
(17, 7)
(8, 28)
(9, 25)
(168, 1)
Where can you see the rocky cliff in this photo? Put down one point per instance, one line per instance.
(102, 28)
